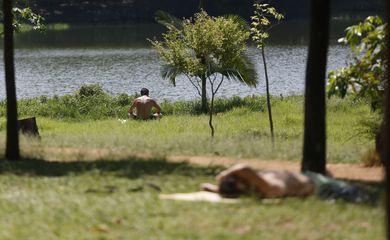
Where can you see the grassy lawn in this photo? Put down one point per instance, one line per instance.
(118, 198)
(113, 200)
(240, 132)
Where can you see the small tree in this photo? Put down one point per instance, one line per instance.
(365, 74)
(203, 46)
(265, 17)
(206, 49)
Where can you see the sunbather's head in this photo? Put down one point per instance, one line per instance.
(144, 92)
(231, 186)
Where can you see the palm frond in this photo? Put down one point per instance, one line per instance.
(169, 21)
(170, 72)
(242, 70)
(238, 19)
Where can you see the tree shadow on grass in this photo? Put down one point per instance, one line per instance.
(130, 167)
(133, 168)
(374, 190)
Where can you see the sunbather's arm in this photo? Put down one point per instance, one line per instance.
(131, 109)
(157, 107)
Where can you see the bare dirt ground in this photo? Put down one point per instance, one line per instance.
(341, 171)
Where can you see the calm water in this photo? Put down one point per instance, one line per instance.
(120, 59)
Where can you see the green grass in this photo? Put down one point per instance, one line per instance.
(112, 200)
(242, 130)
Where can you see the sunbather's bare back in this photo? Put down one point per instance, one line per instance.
(143, 106)
(241, 179)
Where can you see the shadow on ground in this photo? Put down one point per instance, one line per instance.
(131, 167)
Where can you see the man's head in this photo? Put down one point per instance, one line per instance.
(144, 92)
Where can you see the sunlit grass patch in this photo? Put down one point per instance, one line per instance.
(112, 199)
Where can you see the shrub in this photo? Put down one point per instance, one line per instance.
(365, 75)
(371, 159)
(90, 90)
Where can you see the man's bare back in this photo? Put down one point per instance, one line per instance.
(143, 106)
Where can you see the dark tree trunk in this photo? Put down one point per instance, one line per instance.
(12, 145)
(314, 149)
(385, 151)
(204, 95)
(271, 122)
(211, 112)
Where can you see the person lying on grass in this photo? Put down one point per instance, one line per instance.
(241, 179)
(143, 106)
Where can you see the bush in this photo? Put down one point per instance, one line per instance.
(371, 159)
(365, 74)
(90, 90)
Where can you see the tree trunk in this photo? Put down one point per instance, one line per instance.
(314, 149)
(204, 95)
(385, 151)
(271, 123)
(211, 112)
(12, 141)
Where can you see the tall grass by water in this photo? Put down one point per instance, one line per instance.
(91, 102)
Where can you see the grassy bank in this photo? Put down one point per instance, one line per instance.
(117, 197)
(92, 103)
(91, 121)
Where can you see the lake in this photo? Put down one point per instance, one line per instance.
(120, 59)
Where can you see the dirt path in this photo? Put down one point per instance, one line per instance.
(343, 171)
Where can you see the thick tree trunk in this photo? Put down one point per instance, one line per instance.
(204, 95)
(385, 150)
(314, 150)
(12, 145)
(271, 122)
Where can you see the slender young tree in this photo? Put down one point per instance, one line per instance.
(264, 19)
(385, 154)
(314, 149)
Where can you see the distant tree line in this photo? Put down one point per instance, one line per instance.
(128, 11)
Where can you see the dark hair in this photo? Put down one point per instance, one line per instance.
(144, 91)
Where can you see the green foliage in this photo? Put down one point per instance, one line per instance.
(203, 46)
(371, 159)
(265, 17)
(26, 15)
(25, 18)
(365, 75)
(90, 90)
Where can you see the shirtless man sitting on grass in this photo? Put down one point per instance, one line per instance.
(143, 106)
